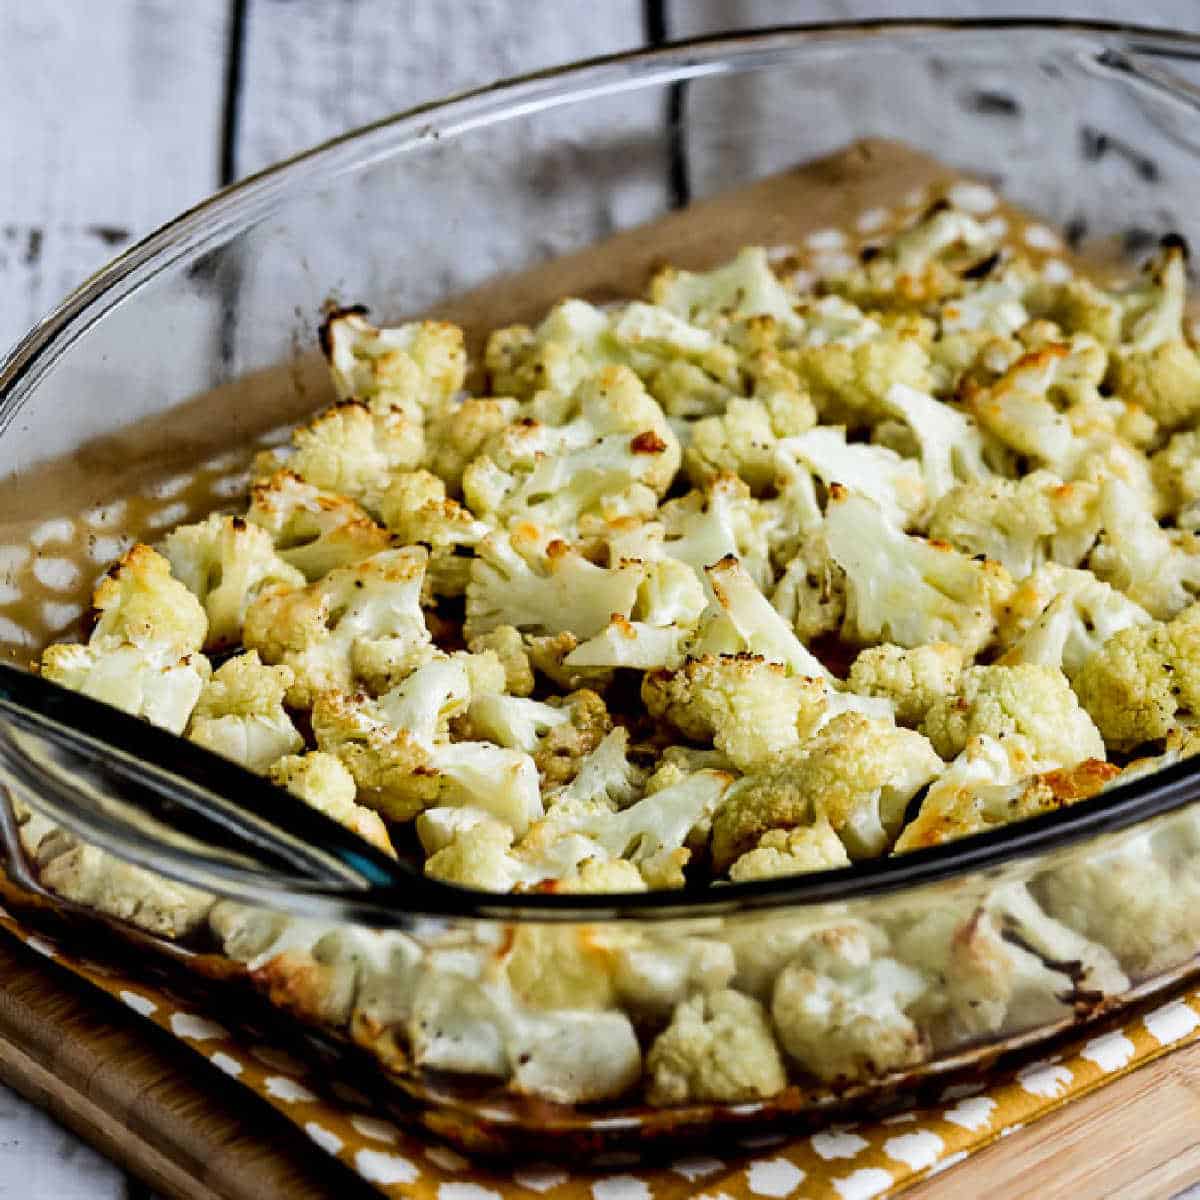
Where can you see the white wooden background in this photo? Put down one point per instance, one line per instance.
(116, 114)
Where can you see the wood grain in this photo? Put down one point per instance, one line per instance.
(144, 1100)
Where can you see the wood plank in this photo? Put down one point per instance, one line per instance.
(108, 126)
(145, 1101)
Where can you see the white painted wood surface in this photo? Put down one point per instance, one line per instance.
(115, 116)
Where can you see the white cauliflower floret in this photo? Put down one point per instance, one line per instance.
(416, 510)
(353, 449)
(1001, 965)
(1028, 700)
(841, 1006)
(922, 264)
(742, 440)
(396, 747)
(505, 642)
(604, 776)
(513, 721)
(225, 563)
(912, 679)
(416, 366)
(1020, 523)
(949, 442)
(1154, 568)
(143, 654)
(740, 619)
(744, 287)
(892, 482)
(609, 446)
(1142, 680)
(313, 530)
(992, 782)
(321, 781)
(907, 590)
(240, 713)
(1060, 617)
(718, 1047)
(360, 623)
(1176, 473)
(1154, 367)
(753, 712)
(1136, 897)
(537, 583)
(456, 434)
(780, 852)
(858, 774)
(704, 527)
(669, 602)
(811, 592)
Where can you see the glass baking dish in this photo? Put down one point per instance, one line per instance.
(529, 1022)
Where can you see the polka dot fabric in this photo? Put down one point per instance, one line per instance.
(844, 1162)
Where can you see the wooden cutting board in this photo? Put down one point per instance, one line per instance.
(165, 1114)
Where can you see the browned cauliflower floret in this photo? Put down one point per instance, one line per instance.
(353, 449)
(989, 784)
(225, 563)
(240, 713)
(360, 623)
(1032, 701)
(1141, 679)
(416, 510)
(779, 852)
(908, 590)
(1020, 523)
(718, 1047)
(143, 655)
(322, 781)
(313, 530)
(458, 433)
(912, 679)
(858, 774)
(416, 366)
(506, 643)
(750, 708)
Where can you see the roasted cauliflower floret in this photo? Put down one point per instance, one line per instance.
(811, 592)
(313, 530)
(353, 449)
(750, 709)
(416, 366)
(1020, 523)
(1154, 367)
(1031, 701)
(991, 783)
(718, 1047)
(858, 774)
(457, 433)
(415, 508)
(240, 713)
(321, 781)
(1176, 473)
(894, 483)
(143, 654)
(841, 1006)
(539, 584)
(357, 624)
(744, 287)
(225, 563)
(607, 448)
(506, 643)
(1139, 682)
(779, 852)
(912, 679)
(907, 590)
(1059, 617)
(742, 440)
(1156, 568)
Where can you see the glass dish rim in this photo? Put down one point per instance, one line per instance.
(247, 201)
